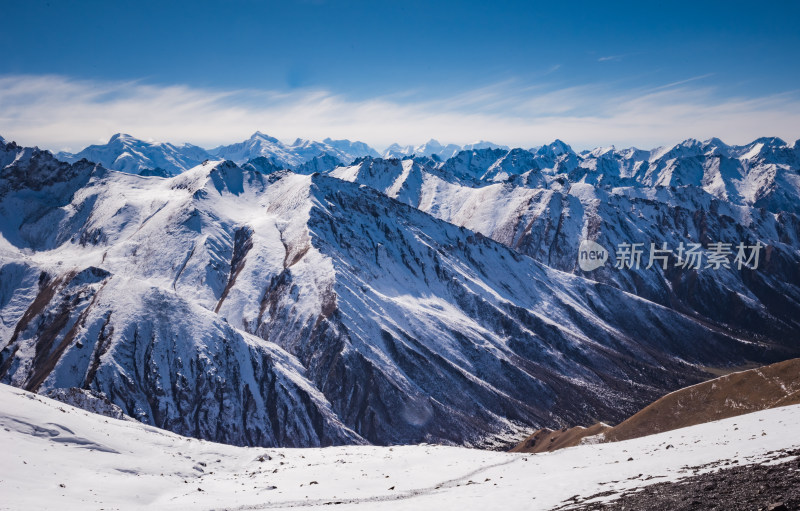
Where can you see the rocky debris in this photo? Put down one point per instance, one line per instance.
(769, 486)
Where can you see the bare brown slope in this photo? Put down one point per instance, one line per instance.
(720, 398)
(728, 396)
(546, 440)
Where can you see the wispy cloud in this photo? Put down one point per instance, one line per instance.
(617, 58)
(682, 82)
(58, 112)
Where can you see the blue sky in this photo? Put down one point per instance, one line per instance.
(520, 73)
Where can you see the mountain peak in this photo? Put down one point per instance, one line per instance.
(431, 146)
(769, 141)
(600, 151)
(715, 146)
(263, 136)
(126, 153)
(122, 137)
(716, 142)
(556, 148)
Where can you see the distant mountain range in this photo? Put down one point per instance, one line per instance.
(434, 149)
(390, 300)
(134, 156)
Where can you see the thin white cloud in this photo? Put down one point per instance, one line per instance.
(57, 112)
(616, 58)
(682, 82)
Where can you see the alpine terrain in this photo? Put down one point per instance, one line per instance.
(389, 301)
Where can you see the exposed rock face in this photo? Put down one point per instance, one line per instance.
(286, 309)
(87, 400)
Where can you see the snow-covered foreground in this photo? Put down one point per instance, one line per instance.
(59, 457)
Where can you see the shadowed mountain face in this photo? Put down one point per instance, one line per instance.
(288, 309)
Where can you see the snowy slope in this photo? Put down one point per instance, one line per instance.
(60, 457)
(286, 309)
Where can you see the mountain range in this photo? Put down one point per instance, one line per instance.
(390, 300)
(542, 203)
(129, 154)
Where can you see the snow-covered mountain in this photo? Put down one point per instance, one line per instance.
(434, 149)
(482, 144)
(128, 154)
(324, 163)
(352, 149)
(430, 148)
(543, 203)
(288, 309)
(291, 155)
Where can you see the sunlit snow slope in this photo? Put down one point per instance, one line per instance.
(59, 457)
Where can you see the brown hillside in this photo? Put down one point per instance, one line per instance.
(546, 440)
(728, 396)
